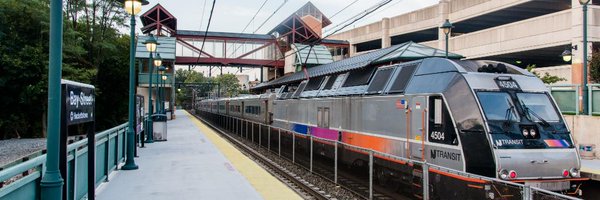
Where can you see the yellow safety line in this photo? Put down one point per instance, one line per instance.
(267, 186)
(590, 170)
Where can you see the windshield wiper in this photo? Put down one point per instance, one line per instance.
(508, 116)
(543, 122)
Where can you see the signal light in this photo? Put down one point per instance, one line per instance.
(512, 174)
(565, 173)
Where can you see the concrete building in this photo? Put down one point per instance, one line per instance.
(521, 32)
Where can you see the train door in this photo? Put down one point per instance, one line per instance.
(227, 108)
(266, 112)
(418, 126)
(243, 110)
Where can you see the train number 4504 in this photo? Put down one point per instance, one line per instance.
(437, 135)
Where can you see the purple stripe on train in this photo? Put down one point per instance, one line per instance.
(324, 133)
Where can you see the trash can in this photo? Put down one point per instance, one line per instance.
(159, 127)
(169, 116)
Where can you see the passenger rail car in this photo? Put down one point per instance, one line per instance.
(482, 117)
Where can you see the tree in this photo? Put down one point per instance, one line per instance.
(546, 78)
(229, 84)
(595, 67)
(93, 52)
(184, 94)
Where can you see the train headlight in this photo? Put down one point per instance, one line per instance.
(574, 172)
(512, 174)
(503, 174)
(565, 173)
(525, 132)
(532, 132)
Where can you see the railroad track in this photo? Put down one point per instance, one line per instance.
(305, 189)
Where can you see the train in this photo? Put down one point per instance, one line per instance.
(482, 117)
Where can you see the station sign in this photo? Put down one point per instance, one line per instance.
(79, 102)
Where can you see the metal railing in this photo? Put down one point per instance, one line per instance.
(21, 181)
(567, 98)
(594, 98)
(372, 173)
(144, 78)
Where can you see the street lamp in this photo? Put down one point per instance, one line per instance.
(52, 183)
(161, 71)
(585, 3)
(567, 55)
(132, 7)
(447, 28)
(151, 45)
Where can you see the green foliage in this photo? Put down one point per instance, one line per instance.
(546, 78)
(94, 52)
(595, 67)
(229, 84)
(184, 94)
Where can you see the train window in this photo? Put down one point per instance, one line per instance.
(498, 106)
(539, 106)
(441, 127)
(359, 77)
(323, 117)
(379, 80)
(402, 78)
(256, 110)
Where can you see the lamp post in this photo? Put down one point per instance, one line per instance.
(585, 3)
(164, 93)
(447, 27)
(52, 182)
(151, 45)
(159, 104)
(132, 7)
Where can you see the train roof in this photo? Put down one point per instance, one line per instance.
(404, 52)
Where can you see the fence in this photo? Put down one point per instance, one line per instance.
(370, 173)
(21, 181)
(567, 98)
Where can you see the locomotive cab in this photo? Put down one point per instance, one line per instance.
(529, 138)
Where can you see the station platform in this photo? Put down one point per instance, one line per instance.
(590, 169)
(195, 163)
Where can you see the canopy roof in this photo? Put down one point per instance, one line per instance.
(166, 48)
(319, 54)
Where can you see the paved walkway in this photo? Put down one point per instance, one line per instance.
(195, 163)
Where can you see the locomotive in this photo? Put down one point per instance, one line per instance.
(482, 117)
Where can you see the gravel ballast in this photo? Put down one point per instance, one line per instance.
(15, 149)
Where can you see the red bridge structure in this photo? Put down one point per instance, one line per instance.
(245, 50)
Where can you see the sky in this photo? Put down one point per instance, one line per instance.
(234, 15)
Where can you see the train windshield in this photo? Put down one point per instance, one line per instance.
(498, 106)
(538, 106)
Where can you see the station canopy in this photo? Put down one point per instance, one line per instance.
(319, 55)
(404, 52)
(166, 47)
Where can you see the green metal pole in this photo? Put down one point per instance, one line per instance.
(157, 91)
(150, 106)
(52, 182)
(446, 46)
(585, 61)
(129, 162)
